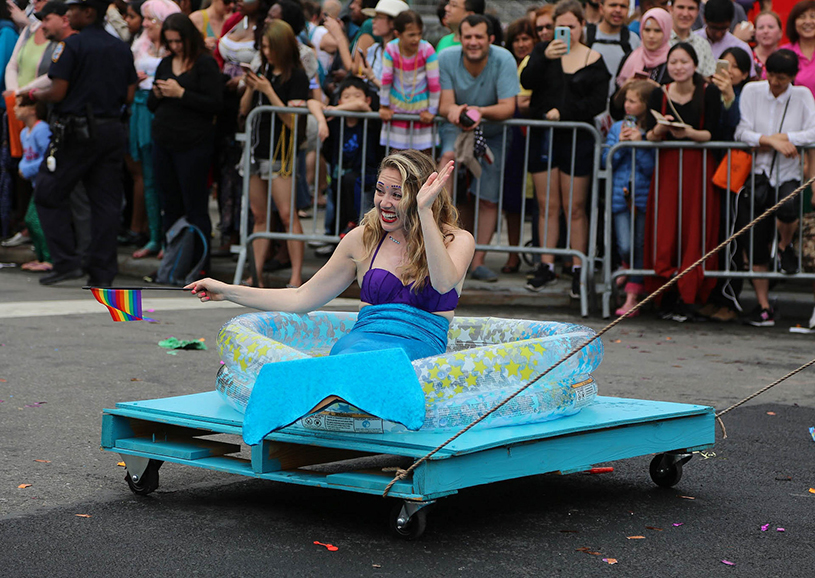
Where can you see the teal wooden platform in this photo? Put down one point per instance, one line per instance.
(174, 430)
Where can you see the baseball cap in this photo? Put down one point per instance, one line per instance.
(392, 8)
(53, 7)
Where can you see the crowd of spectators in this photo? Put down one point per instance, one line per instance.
(714, 71)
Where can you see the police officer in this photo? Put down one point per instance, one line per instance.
(93, 81)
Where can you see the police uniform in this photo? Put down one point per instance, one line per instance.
(88, 146)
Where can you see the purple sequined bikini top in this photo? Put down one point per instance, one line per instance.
(380, 286)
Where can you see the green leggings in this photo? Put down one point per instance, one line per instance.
(32, 221)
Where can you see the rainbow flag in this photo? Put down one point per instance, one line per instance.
(123, 304)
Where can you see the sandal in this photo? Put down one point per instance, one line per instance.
(509, 269)
(40, 267)
(148, 250)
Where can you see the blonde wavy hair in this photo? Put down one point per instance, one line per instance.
(414, 167)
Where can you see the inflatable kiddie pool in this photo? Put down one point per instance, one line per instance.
(486, 360)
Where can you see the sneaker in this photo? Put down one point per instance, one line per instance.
(680, 313)
(789, 260)
(543, 276)
(482, 273)
(762, 317)
(325, 251)
(17, 240)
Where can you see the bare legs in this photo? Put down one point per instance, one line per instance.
(560, 188)
(281, 194)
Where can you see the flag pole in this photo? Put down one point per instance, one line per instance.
(134, 288)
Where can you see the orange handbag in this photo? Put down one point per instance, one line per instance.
(15, 127)
(741, 163)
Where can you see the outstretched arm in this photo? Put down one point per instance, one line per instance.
(447, 264)
(334, 277)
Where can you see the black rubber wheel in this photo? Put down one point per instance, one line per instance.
(531, 259)
(665, 477)
(148, 482)
(414, 528)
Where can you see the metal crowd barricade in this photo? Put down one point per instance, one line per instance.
(318, 234)
(728, 218)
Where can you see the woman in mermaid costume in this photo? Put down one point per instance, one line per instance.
(400, 358)
(409, 257)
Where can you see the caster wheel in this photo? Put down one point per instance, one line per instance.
(665, 476)
(412, 529)
(148, 482)
(531, 259)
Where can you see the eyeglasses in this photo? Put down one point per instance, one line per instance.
(544, 27)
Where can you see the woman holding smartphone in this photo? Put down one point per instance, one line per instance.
(186, 96)
(563, 78)
(280, 81)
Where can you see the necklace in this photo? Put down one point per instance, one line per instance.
(394, 240)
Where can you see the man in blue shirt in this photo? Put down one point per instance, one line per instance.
(93, 81)
(478, 77)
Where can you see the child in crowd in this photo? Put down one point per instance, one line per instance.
(347, 175)
(629, 199)
(35, 138)
(410, 85)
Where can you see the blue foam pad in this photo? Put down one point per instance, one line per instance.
(381, 383)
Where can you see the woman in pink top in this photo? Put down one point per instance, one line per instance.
(768, 37)
(801, 32)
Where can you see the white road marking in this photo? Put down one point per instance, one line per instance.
(86, 306)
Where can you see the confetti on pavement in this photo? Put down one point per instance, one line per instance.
(329, 547)
(23, 486)
(728, 562)
(610, 560)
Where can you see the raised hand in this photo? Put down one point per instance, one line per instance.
(433, 186)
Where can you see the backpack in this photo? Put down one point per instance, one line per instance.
(624, 41)
(177, 267)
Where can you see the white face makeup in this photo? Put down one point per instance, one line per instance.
(387, 199)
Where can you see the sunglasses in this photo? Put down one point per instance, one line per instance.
(544, 27)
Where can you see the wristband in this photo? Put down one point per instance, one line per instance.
(31, 95)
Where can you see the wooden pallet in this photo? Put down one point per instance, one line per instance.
(177, 429)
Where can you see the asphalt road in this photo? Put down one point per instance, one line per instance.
(60, 370)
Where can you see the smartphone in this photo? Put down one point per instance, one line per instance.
(564, 33)
(246, 68)
(362, 56)
(641, 74)
(722, 66)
